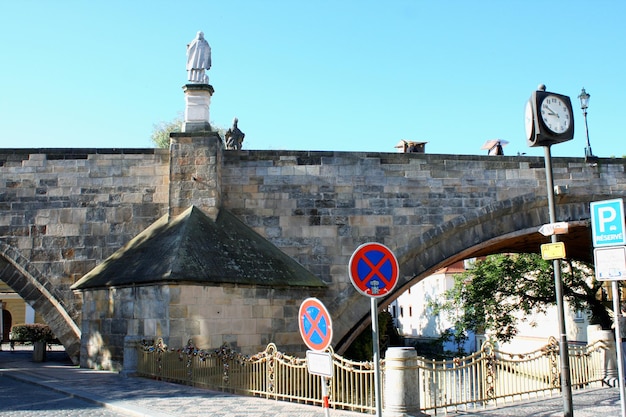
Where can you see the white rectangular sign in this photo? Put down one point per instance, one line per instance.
(550, 229)
(610, 263)
(319, 363)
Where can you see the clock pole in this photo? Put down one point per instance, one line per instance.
(550, 120)
(566, 381)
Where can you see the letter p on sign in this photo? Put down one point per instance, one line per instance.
(605, 215)
(607, 223)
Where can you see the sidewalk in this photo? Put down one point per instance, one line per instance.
(146, 397)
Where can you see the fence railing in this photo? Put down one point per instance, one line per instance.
(491, 377)
(487, 377)
(269, 374)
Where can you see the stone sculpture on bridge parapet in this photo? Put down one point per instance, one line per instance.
(198, 60)
(234, 137)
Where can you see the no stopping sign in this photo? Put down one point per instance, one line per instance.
(373, 270)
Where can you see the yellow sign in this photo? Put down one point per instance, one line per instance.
(553, 251)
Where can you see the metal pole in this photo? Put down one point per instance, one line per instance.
(566, 383)
(325, 403)
(376, 348)
(1, 324)
(618, 344)
(588, 151)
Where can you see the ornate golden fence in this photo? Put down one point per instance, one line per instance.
(491, 377)
(268, 374)
(488, 377)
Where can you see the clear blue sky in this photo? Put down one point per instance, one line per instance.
(341, 75)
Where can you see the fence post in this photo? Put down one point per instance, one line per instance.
(402, 395)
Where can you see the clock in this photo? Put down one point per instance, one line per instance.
(555, 114)
(548, 119)
(529, 122)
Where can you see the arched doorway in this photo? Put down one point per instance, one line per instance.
(7, 322)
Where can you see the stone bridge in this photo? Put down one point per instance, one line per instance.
(64, 211)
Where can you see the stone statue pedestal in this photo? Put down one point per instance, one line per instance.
(197, 102)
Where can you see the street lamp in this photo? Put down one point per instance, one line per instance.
(584, 104)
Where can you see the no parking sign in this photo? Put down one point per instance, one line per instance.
(374, 270)
(315, 324)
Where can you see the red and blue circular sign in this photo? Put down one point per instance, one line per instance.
(373, 270)
(315, 324)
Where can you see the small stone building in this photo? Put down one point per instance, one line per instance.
(192, 278)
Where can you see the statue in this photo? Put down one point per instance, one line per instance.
(198, 60)
(234, 137)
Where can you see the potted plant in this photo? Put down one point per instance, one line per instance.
(36, 333)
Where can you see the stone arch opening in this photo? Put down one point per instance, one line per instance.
(7, 322)
(30, 284)
(506, 226)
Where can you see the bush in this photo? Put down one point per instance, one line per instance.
(36, 332)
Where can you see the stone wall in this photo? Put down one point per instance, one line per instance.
(195, 172)
(65, 210)
(318, 207)
(245, 318)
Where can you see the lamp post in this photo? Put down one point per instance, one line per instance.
(584, 104)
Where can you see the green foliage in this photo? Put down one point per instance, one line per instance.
(36, 332)
(362, 348)
(490, 296)
(161, 132)
(458, 336)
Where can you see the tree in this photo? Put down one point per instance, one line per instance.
(490, 296)
(362, 349)
(161, 132)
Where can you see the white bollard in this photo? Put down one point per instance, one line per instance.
(402, 397)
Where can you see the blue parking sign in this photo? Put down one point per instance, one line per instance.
(607, 223)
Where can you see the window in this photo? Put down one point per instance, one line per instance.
(579, 316)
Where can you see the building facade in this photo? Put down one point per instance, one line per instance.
(416, 322)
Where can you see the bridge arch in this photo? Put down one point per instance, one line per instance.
(30, 284)
(505, 226)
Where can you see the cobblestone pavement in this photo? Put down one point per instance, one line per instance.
(134, 396)
(56, 388)
(592, 402)
(23, 399)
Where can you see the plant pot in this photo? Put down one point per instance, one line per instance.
(39, 351)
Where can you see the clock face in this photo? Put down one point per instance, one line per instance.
(528, 120)
(555, 114)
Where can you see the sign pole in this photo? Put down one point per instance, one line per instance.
(618, 344)
(325, 403)
(376, 348)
